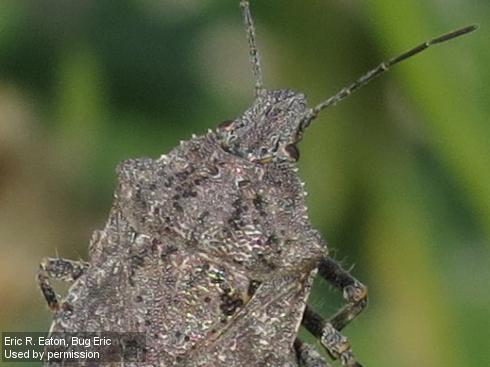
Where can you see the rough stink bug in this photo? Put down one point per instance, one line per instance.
(209, 250)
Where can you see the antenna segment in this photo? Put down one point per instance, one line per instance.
(252, 46)
(381, 69)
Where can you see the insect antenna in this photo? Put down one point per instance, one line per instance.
(380, 69)
(252, 46)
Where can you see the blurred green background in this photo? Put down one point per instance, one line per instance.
(398, 175)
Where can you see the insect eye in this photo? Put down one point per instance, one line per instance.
(292, 151)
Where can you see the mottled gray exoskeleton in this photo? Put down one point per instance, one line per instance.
(209, 249)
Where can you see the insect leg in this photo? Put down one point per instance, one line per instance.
(334, 342)
(57, 268)
(308, 356)
(355, 293)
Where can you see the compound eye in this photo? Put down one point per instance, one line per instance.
(292, 151)
(226, 125)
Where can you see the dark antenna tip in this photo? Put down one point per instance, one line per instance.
(454, 34)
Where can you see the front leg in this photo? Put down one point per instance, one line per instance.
(57, 268)
(353, 291)
(355, 294)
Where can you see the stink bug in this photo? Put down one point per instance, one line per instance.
(209, 250)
